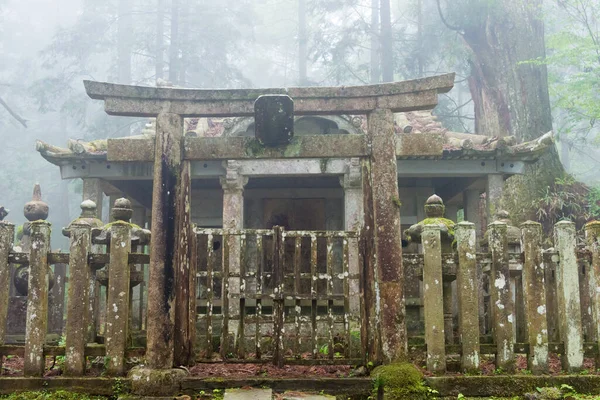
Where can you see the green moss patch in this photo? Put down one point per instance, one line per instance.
(399, 381)
(48, 395)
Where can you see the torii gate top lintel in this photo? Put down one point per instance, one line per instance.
(128, 100)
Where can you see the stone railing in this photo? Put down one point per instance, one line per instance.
(506, 295)
(92, 248)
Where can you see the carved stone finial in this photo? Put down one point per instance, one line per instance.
(434, 207)
(88, 209)
(3, 213)
(122, 210)
(233, 179)
(36, 209)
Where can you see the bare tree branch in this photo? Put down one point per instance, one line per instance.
(444, 21)
(14, 114)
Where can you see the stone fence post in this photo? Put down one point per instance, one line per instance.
(569, 305)
(468, 296)
(433, 298)
(501, 305)
(534, 293)
(78, 298)
(117, 315)
(7, 234)
(592, 237)
(37, 299)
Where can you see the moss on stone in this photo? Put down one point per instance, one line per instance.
(48, 395)
(444, 221)
(254, 148)
(20, 232)
(399, 381)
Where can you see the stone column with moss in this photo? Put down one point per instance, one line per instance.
(433, 300)
(567, 296)
(7, 234)
(503, 317)
(534, 293)
(117, 314)
(92, 191)
(468, 296)
(37, 299)
(161, 285)
(233, 219)
(388, 238)
(77, 298)
(495, 188)
(592, 238)
(354, 220)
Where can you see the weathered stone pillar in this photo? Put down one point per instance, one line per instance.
(233, 219)
(117, 315)
(353, 196)
(503, 317)
(433, 300)
(388, 238)
(77, 298)
(569, 307)
(468, 296)
(495, 188)
(592, 237)
(472, 199)
(7, 234)
(353, 221)
(92, 190)
(534, 293)
(161, 291)
(37, 299)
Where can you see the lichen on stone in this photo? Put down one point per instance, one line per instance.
(399, 381)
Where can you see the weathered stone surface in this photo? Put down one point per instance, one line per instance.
(568, 301)
(495, 188)
(388, 240)
(592, 236)
(150, 101)
(7, 234)
(433, 299)
(36, 209)
(161, 285)
(248, 394)
(535, 297)
(117, 303)
(431, 144)
(155, 382)
(121, 210)
(37, 299)
(274, 119)
(78, 299)
(93, 192)
(501, 303)
(468, 296)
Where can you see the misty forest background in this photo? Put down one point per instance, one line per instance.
(523, 67)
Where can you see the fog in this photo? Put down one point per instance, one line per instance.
(48, 47)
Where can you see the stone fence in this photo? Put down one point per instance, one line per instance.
(507, 295)
(92, 248)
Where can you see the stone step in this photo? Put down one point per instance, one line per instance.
(248, 394)
(304, 396)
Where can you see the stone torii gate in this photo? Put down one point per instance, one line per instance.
(170, 329)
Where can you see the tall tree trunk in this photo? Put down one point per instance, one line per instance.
(375, 56)
(160, 40)
(302, 44)
(387, 48)
(174, 45)
(125, 40)
(510, 96)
